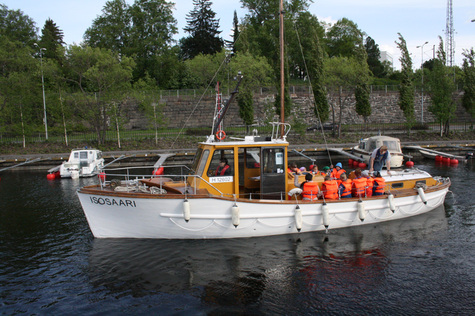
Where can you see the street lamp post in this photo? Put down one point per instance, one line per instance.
(422, 88)
(43, 87)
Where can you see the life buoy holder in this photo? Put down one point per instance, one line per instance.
(220, 134)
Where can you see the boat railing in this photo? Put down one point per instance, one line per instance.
(276, 130)
(131, 177)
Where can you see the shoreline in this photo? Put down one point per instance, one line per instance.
(185, 155)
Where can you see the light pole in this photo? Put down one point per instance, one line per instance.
(422, 88)
(43, 87)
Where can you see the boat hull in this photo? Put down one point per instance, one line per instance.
(122, 216)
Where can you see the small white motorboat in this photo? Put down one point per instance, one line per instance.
(368, 145)
(83, 162)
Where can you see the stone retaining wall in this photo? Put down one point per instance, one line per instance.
(180, 111)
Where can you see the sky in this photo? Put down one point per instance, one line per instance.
(418, 21)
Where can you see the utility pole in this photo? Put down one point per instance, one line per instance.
(43, 87)
(422, 88)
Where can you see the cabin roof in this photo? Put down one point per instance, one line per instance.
(248, 141)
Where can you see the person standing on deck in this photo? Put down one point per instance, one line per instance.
(379, 157)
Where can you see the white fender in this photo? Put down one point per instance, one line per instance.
(325, 215)
(235, 215)
(74, 174)
(295, 191)
(298, 218)
(361, 210)
(392, 206)
(186, 210)
(422, 195)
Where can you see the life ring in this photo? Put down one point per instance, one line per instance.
(220, 134)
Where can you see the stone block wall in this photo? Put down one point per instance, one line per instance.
(180, 111)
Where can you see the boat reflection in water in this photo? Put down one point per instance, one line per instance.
(243, 271)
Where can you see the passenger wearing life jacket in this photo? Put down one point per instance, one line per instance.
(379, 184)
(310, 189)
(223, 168)
(369, 183)
(314, 170)
(330, 188)
(344, 186)
(337, 171)
(293, 169)
(359, 184)
(326, 171)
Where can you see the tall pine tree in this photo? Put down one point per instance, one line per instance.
(406, 88)
(51, 39)
(203, 29)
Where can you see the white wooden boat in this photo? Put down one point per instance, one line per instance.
(82, 163)
(368, 145)
(252, 201)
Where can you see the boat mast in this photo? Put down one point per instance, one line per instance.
(281, 40)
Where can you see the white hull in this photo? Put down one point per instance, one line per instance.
(153, 217)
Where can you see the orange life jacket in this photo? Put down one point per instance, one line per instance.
(310, 190)
(330, 189)
(379, 184)
(359, 187)
(346, 193)
(369, 186)
(337, 173)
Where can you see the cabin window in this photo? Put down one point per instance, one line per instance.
(76, 155)
(218, 169)
(420, 181)
(371, 145)
(253, 158)
(199, 163)
(83, 155)
(273, 160)
(398, 185)
(392, 145)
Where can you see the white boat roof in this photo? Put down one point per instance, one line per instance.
(382, 138)
(246, 141)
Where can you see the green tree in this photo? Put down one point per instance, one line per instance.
(231, 45)
(374, 54)
(308, 60)
(204, 32)
(103, 79)
(20, 88)
(257, 73)
(363, 106)
(51, 39)
(143, 31)
(468, 99)
(441, 89)
(343, 38)
(406, 88)
(17, 26)
(112, 29)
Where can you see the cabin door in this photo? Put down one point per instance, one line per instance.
(273, 175)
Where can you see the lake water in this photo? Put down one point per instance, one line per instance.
(50, 263)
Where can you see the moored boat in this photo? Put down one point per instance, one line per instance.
(368, 145)
(252, 200)
(242, 188)
(82, 162)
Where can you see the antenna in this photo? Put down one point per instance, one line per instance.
(449, 35)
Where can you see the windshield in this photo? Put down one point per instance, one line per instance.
(392, 145)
